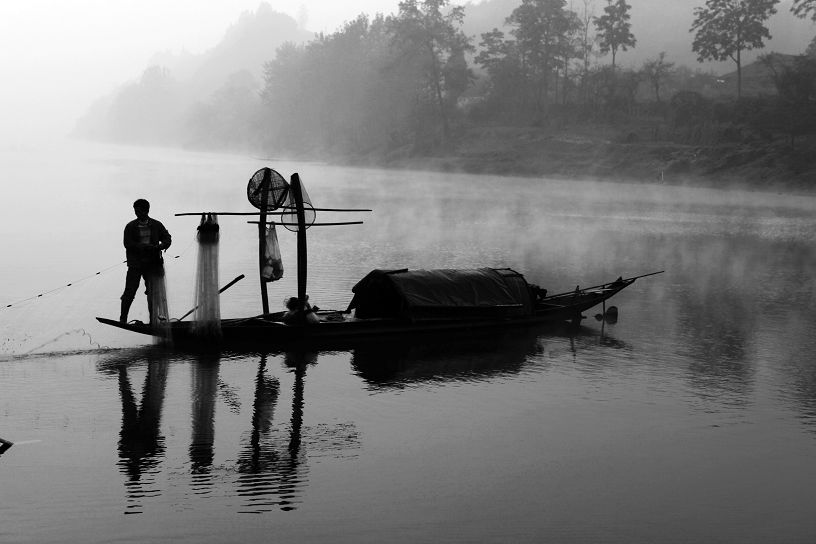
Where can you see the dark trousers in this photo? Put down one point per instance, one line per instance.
(134, 275)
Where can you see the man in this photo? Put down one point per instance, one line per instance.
(145, 239)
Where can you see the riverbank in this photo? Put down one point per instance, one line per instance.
(606, 155)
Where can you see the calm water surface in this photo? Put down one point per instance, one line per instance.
(691, 419)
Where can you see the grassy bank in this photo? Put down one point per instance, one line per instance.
(774, 165)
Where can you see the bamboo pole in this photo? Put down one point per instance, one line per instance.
(267, 179)
(281, 212)
(297, 194)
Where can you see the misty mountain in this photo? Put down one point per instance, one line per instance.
(158, 106)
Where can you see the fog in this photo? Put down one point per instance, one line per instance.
(59, 57)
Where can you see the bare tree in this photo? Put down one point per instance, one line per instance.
(657, 71)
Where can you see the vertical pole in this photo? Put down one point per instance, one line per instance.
(267, 180)
(297, 194)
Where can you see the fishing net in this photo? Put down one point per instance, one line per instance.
(278, 189)
(289, 216)
(273, 264)
(207, 316)
(157, 293)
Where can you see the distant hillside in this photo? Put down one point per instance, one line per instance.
(157, 109)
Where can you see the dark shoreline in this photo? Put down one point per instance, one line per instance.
(768, 166)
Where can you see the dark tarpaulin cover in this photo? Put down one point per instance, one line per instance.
(441, 293)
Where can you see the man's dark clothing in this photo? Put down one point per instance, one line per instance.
(137, 255)
(144, 261)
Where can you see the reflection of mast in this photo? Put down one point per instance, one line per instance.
(263, 411)
(140, 444)
(298, 361)
(266, 468)
(205, 387)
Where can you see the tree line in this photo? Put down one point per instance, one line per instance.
(409, 82)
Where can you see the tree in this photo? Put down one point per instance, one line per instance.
(810, 51)
(795, 81)
(542, 28)
(725, 28)
(506, 78)
(586, 42)
(657, 71)
(425, 34)
(614, 29)
(804, 8)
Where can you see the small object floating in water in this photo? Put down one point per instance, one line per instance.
(5, 445)
(611, 315)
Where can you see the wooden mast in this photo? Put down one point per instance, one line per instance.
(267, 180)
(297, 195)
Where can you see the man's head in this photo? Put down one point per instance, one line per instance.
(142, 208)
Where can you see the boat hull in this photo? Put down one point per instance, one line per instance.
(339, 330)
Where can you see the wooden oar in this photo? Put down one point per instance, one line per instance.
(227, 286)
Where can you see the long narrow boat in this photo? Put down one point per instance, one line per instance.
(386, 303)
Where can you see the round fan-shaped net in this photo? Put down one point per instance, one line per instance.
(278, 189)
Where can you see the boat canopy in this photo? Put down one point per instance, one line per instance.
(418, 294)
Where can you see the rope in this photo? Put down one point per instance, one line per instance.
(80, 280)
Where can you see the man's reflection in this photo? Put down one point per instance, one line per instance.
(141, 445)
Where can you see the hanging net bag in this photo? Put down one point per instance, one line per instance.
(273, 264)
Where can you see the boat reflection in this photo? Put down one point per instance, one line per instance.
(446, 357)
(271, 461)
(470, 356)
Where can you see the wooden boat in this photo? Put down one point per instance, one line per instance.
(386, 303)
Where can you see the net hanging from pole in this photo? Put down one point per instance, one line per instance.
(207, 316)
(289, 217)
(273, 264)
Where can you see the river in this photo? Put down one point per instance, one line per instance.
(691, 419)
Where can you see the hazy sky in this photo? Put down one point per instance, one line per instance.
(57, 56)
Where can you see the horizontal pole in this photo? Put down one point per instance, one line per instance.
(307, 226)
(276, 212)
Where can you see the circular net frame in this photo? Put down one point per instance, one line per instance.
(289, 216)
(278, 189)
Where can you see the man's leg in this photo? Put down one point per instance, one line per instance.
(131, 286)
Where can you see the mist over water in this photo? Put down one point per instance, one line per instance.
(690, 419)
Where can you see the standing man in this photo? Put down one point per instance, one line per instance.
(145, 239)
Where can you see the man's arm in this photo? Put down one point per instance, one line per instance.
(164, 237)
(129, 240)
